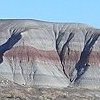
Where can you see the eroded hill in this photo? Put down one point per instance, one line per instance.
(44, 54)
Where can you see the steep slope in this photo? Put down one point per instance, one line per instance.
(30, 56)
(49, 54)
(78, 49)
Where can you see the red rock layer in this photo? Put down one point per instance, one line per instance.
(74, 56)
(27, 52)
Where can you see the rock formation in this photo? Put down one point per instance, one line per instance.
(47, 54)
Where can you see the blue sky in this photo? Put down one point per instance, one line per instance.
(81, 11)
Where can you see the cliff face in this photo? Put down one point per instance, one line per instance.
(49, 54)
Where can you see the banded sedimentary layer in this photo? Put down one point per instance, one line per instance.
(48, 54)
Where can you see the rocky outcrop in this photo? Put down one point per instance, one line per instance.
(48, 54)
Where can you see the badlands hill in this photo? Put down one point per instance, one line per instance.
(47, 54)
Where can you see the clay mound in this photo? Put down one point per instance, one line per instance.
(44, 54)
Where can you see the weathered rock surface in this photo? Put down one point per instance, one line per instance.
(44, 54)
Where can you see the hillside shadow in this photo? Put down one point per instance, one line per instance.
(9, 44)
(83, 63)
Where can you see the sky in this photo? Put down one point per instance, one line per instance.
(76, 11)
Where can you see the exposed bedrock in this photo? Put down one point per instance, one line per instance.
(44, 54)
